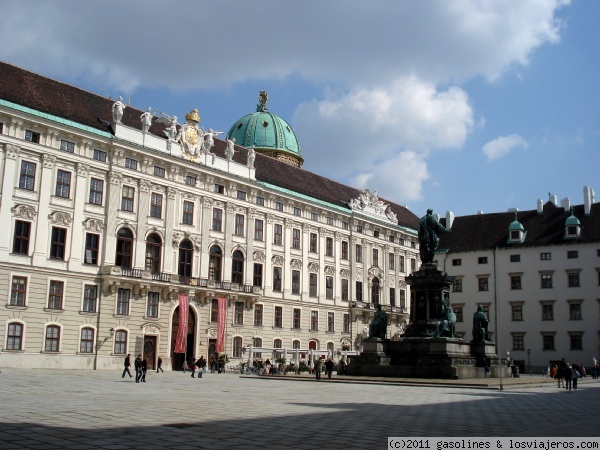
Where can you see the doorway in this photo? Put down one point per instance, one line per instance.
(150, 351)
(177, 359)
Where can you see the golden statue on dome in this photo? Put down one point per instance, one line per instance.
(263, 98)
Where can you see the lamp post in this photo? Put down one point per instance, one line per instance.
(529, 359)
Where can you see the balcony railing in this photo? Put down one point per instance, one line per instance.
(161, 276)
(132, 273)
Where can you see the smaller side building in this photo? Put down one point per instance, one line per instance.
(537, 275)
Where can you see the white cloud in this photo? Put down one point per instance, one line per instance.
(503, 145)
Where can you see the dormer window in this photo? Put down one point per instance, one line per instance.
(516, 232)
(572, 227)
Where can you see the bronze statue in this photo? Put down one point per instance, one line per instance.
(480, 325)
(378, 326)
(445, 325)
(429, 228)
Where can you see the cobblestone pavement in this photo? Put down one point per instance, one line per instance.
(45, 409)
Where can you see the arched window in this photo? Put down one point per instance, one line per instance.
(277, 343)
(296, 344)
(52, 338)
(186, 253)
(214, 264)
(257, 342)
(330, 348)
(312, 345)
(375, 291)
(237, 267)
(87, 340)
(124, 248)
(153, 252)
(237, 347)
(14, 337)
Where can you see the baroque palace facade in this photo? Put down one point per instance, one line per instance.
(110, 214)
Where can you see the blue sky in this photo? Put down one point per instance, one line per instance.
(461, 105)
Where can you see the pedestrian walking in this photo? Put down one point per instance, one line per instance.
(138, 368)
(568, 377)
(126, 364)
(576, 376)
(318, 368)
(144, 370)
(159, 365)
(329, 368)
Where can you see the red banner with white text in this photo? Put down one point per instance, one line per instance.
(183, 324)
(221, 325)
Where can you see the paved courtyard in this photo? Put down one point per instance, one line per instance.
(47, 409)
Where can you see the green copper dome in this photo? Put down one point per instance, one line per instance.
(268, 133)
(516, 225)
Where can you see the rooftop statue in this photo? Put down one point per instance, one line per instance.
(251, 157)
(147, 119)
(378, 326)
(209, 142)
(117, 110)
(429, 228)
(230, 151)
(480, 325)
(263, 98)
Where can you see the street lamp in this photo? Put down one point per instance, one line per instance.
(529, 359)
(112, 332)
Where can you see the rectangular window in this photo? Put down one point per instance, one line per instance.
(131, 164)
(295, 282)
(392, 261)
(277, 271)
(90, 295)
(87, 340)
(260, 201)
(278, 317)
(14, 337)
(413, 264)
(329, 246)
(219, 188)
(279, 206)
(31, 136)
(92, 245)
(99, 155)
(517, 312)
(458, 312)
(123, 297)
(312, 283)
(359, 253)
(191, 180)
(391, 238)
(156, 203)
(52, 338)
(345, 290)
(345, 225)
(258, 229)
(121, 342)
(515, 258)
(127, 198)
(214, 310)
(546, 256)
(55, 294)
(296, 320)
(27, 177)
(518, 343)
(346, 328)
(278, 234)
(359, 291)
(241, 195)
(21, 237)
(403, 298)
(238, 318)
(572, 254)
(575, 311)
(152, 308)
(359, 228)
(239, 224)
(392, 296)
(67, 146)
(330, 322)
(258, 315)
(576, 341)
(297, 211)
(63, 184)
(96, 191)
(573, 279)
(159, 171)
(546, 281)
(314, 321)
(295, 238)
(401, 265)
(217, 219)
(188, 213)
(456, 262)
(258, 275)
(548, 342)
(457, 286)
(376, 233)
(314, 216)
(313, 243)
(330, 221)
(18, 291)
(547, 312)
(345, 250)
(58, 243)
(483, 283)
(515, 282)
(482, 260)
(329, 287)
(376, 257)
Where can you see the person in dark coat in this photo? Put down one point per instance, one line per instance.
(144, 370)
(159, 365)
(127, 365)
(329, 368)
(138, 368)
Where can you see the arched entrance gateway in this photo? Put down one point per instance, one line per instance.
(178, 358)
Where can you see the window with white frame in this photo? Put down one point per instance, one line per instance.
(63, 184)
(52, 343)
(90, 297)
(152, 305)
(18, 293)
(123, 300)
(55, 294)
(86, 344)
(121, 342)
(14, 336)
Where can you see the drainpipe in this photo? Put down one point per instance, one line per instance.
(496, 316)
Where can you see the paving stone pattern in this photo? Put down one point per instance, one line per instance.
(48, 409)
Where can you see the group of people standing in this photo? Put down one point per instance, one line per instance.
(567, 374)
(141, 367)
(329, 365)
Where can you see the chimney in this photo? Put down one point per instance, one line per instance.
(588, 198)
(437, 217)
(513, 210)
(554, 200)
(449, 220)
(540, 206)
(565, 203)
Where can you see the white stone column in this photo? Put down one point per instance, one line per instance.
(111, 206)
(42, 236)
(79, 199)
(10, 154)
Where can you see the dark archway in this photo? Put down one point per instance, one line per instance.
(177, 359)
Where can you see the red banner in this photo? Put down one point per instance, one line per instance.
(221, 325)
(181, 341)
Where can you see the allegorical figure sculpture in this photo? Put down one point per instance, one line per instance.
(480, 325)
(378, 326)
(230, 150)
(117, 110)
(447, 320)
(251, 157)
(429, 228)
(146, 119)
